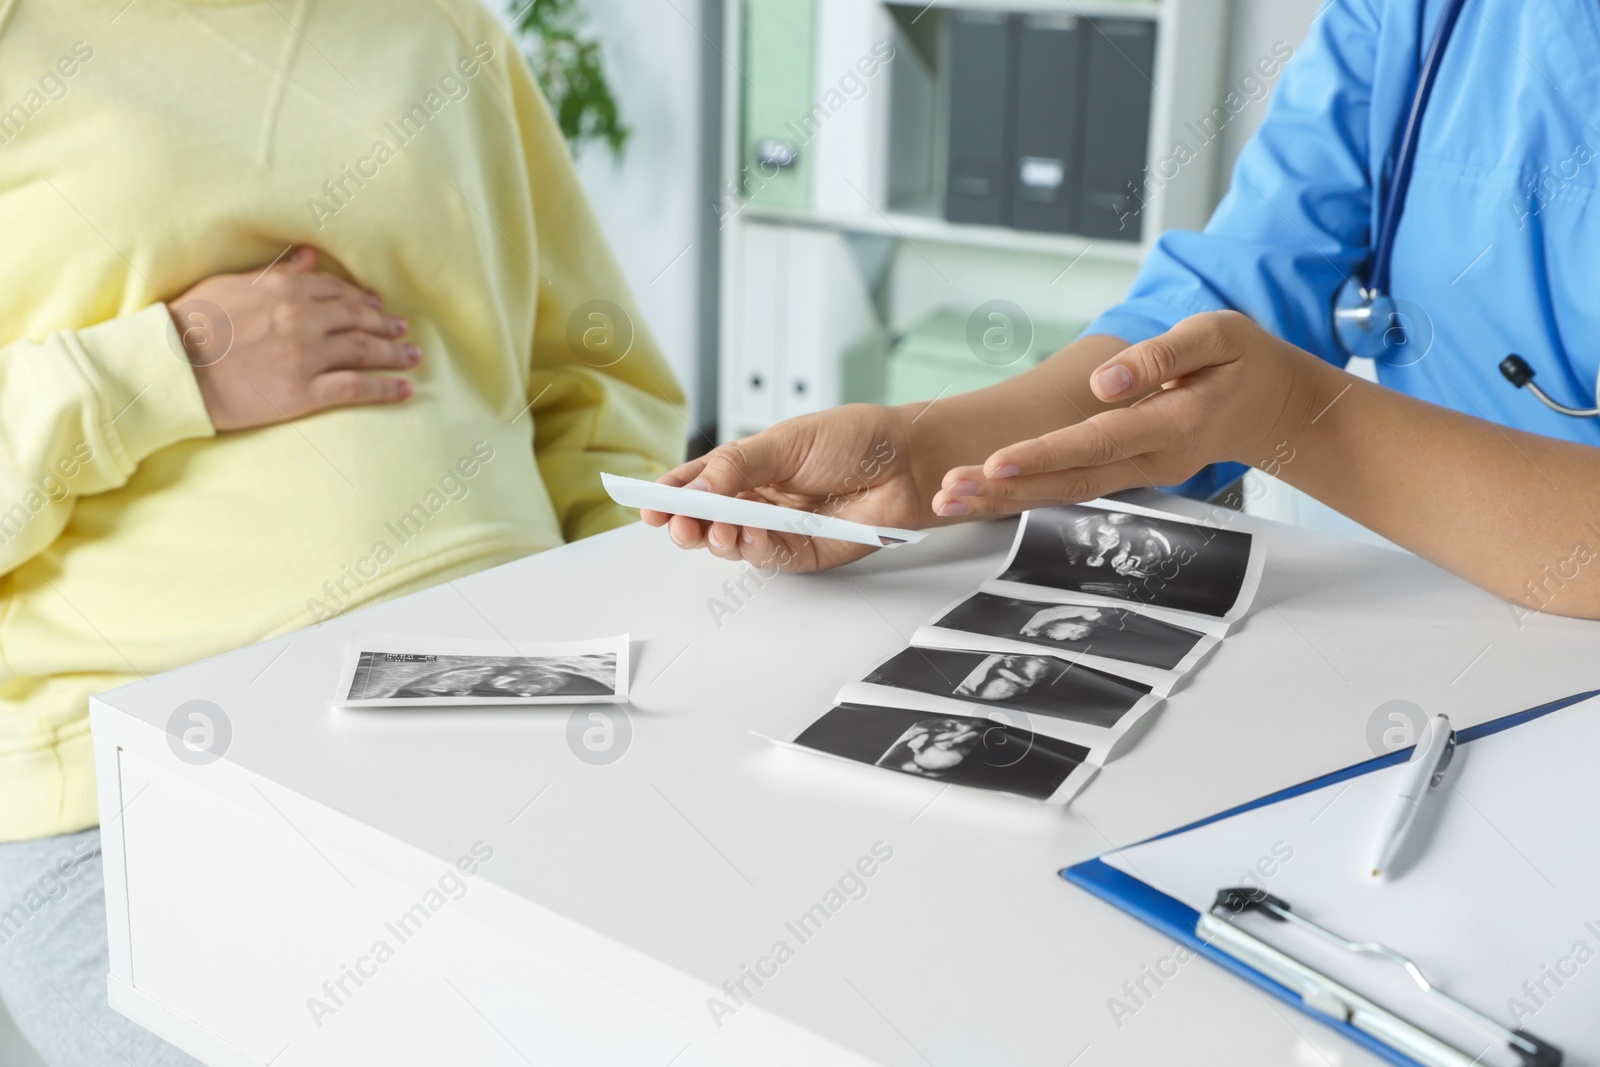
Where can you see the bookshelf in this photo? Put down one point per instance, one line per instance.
(869, 253)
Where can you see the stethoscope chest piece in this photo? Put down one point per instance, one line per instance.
(1376, 326)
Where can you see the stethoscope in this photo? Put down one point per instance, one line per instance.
(1367, 320)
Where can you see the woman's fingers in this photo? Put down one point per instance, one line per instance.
(769, 552)
(766, 550)
(686, 532)
(733, 469)
(723, 539)
(1123, 433)
(313, 285)
(349, 388)
(353, 312)
(698, 533)
(1197, 342)
(1011, 495)
(302, 260)
(343, 290)
(355, 350)
(684, 473)
(1140, 446)
(759, 547)
(728, 540)
(742, 466)
(680, 475)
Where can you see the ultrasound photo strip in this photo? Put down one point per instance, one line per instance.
(1200, 575)
(1117, 640)
(956, 749)
(1043, 694)
(399, 671)
(1029, 685)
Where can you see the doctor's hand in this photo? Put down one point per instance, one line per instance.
(1214, 388)
(288, 342)
(852, 462)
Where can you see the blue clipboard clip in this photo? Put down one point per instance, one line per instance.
(1338, 1002)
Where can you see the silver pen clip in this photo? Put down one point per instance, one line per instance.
(1443, 765)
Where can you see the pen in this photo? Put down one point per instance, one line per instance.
(1423, 771)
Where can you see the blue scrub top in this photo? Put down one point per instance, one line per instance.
(1500, 241)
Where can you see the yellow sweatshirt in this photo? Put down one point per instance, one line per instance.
(143, 151)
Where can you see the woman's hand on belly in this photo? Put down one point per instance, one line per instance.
(289, 342)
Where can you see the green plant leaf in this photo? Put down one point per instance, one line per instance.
(569, 65)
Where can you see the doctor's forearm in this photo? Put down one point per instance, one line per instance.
(957, 430)
(1513, 512)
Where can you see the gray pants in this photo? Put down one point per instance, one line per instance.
(53, 958)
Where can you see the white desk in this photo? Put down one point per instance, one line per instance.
(621, 897)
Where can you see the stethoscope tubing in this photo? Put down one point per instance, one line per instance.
(1577, 413)
(1363, 295)
(1406, 155)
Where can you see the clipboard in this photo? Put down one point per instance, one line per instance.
(1119, 879)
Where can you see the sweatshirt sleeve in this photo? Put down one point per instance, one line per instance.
(603, 396)
(1296, 218)
(79, 411)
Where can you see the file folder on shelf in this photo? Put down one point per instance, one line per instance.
(849, 122)
(805, 324)
(1119, 68)
(1050, 102)
(759, 319)
(978, 187)
(775, 161)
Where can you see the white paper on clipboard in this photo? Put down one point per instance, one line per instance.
(1497, 899)
(713, 507)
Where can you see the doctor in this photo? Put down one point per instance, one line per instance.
(1423, 190)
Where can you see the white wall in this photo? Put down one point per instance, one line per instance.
(651, 204)
(14, 1051)
(1257, 25)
